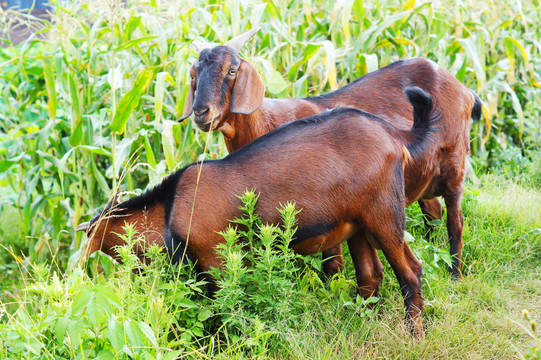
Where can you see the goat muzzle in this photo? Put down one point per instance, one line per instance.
(208, 126)
(206, 122)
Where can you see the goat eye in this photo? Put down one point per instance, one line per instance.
(232, 72)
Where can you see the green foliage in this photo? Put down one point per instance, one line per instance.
(141, 311)
(431, 256)
(155, 311)
(265, 289)
(258, 288)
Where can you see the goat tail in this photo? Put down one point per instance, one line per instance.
(477, 108)
(424, 119)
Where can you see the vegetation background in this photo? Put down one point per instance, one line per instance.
(94, 107)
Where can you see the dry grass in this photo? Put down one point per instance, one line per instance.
(478, 318)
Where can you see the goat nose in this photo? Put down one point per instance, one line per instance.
(200, 111)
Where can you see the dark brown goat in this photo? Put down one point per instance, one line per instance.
(343, 168)
(227, 94)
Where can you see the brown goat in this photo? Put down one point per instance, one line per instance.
(227, 94)
(343, 168)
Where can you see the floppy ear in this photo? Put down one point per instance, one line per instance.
(188, 104)
(248, 91)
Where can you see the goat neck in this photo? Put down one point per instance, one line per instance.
(241, 129)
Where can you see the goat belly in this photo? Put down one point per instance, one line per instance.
(314, 239)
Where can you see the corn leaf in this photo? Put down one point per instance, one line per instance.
(130, 101)
(48, 72)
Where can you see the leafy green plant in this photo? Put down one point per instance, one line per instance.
(265, 289)
(431, 256)
(258, 290)
(139, 311)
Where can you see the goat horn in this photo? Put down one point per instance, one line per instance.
(83, 227)
(238, 42)
(200, 46)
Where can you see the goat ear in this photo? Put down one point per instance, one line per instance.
(188, 104)
(248, 91)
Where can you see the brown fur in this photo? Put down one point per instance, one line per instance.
(439, 173)
(148, 222)
(347, 182)
(341, 185)
(343, 168)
